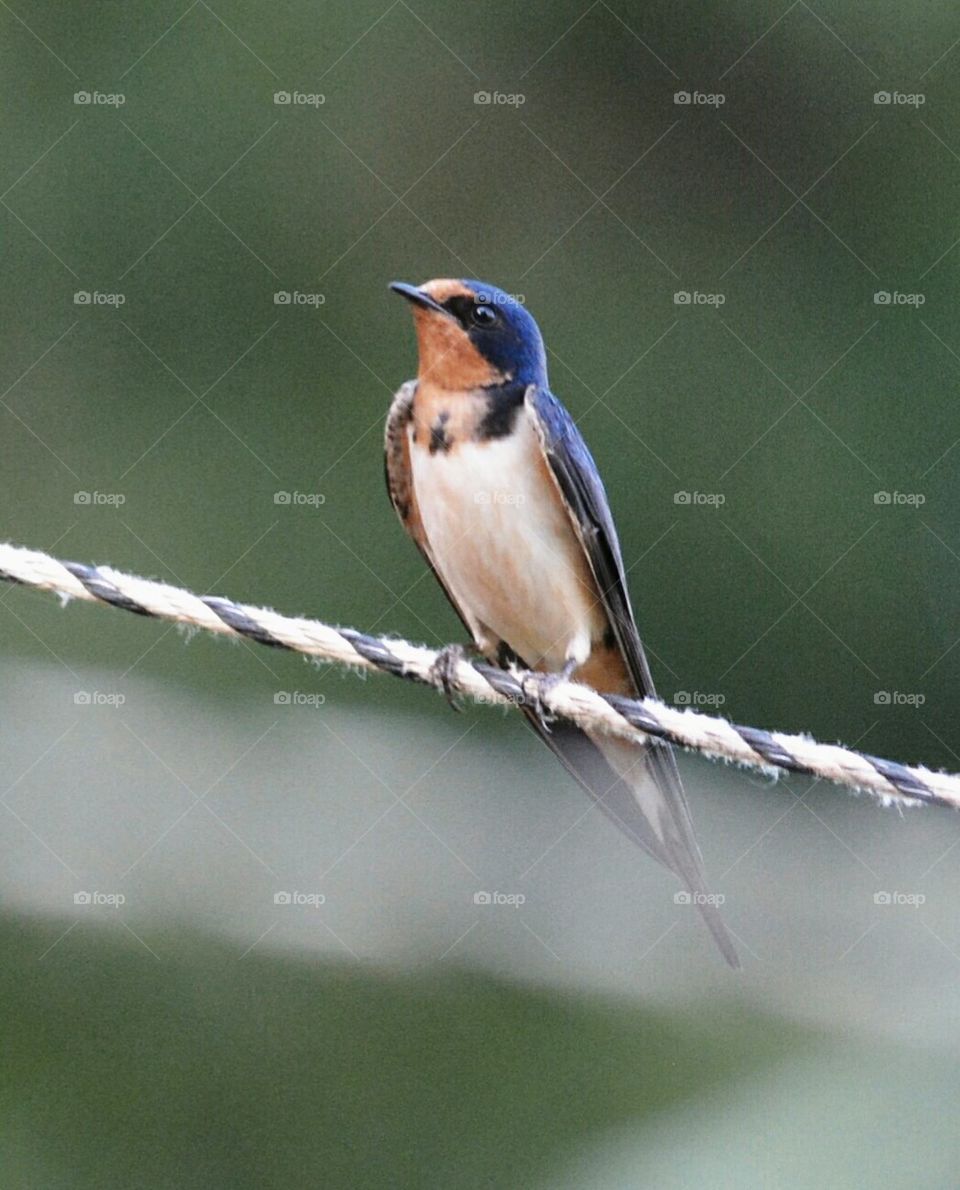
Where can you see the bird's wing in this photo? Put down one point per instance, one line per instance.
(400, 485)
(585, 499)
(645, 796)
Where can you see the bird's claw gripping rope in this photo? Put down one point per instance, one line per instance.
(633, 720)
(535, 687)
(444, 673)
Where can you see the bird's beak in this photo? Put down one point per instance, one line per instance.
(417, 296)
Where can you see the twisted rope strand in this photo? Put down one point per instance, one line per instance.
(633, 720)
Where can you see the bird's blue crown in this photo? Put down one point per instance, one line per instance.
(503, 332)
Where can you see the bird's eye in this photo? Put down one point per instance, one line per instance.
(483, 315)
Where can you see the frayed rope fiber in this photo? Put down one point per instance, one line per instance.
(633, 720)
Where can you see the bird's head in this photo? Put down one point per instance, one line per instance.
(472, 335)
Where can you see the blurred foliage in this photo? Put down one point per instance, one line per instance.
(794, 603)
(199, 1072)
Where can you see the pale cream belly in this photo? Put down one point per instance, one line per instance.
(505, 548)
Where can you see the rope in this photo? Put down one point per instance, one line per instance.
(770, 752)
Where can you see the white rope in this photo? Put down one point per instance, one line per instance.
(632, 720)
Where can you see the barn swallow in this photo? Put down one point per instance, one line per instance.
(493, 481)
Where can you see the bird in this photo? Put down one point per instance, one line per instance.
(492, 479)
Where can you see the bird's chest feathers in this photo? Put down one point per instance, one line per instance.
(501, 537)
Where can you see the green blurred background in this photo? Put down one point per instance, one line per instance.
(383, 1029)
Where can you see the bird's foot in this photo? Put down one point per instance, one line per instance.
(536, 686)
(444, 672)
